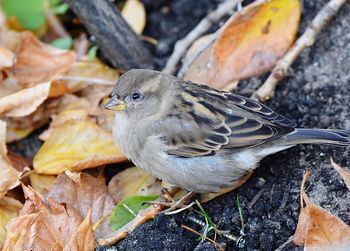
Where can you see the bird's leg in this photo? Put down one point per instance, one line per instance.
(168, 201)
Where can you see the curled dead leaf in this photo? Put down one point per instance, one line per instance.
(318, 229)
(37, 62)
(9, 175)
(47, 226)
(88, 193)
(26, 101)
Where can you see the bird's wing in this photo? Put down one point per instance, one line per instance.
(210, 121)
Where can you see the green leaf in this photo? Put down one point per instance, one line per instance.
(54, 3)
(126, 209)
(60, 9)
(64, 43)
(30, 13)
(92, 52)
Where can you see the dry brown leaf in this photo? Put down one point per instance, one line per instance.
(9, 175)
(42, 226)
(318, 229)
(76, 146)
(37, 62)
(89, 193)
(299, 235)
(83, 238)
(133, 181)
(42, 183)
(253, 41)
(198, 70)
(21, 127)
(345, 174)
(26, 101)
(9, 208)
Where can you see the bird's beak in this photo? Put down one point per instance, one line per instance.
(115, 104)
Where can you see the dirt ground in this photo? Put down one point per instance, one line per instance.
(316, 94)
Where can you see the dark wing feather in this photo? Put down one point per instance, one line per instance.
(212, 120)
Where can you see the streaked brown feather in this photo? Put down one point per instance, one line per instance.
(218, 120)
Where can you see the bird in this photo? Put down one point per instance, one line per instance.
(198, 138)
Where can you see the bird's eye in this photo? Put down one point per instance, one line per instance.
(136, 96)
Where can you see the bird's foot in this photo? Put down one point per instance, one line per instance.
(174, 206)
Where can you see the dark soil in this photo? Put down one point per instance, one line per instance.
(316, 94)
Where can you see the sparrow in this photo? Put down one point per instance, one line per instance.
(198, 138)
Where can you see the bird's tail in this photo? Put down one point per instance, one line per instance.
(319, 136)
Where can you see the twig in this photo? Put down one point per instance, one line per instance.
(56, 24)
(142, 216)
(206, 237)
(280, 248)
(256, 198)
(203, 26)
(307, 39)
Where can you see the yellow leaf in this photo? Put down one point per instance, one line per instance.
(9, 208)
(42, 183)
(133, 181)
(89, 72)
(76, 146)
(134, 14)
(9, 175)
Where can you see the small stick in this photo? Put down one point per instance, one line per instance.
(203, 26)
(280, 248)
(307, 39)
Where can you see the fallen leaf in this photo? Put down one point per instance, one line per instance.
(83, 238)
(7, 58)
(251, 43)
(345, 174)
(42, 183)
(76, 146)
(318, 229)
(127, 209)
(9, 208)
(9, 175)
(134, 14)
(20, 127)
(26, 101)
(198, 70)
(87, 73)
(88, 193)
(37, 62)
(46, 226)
(133, 181)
